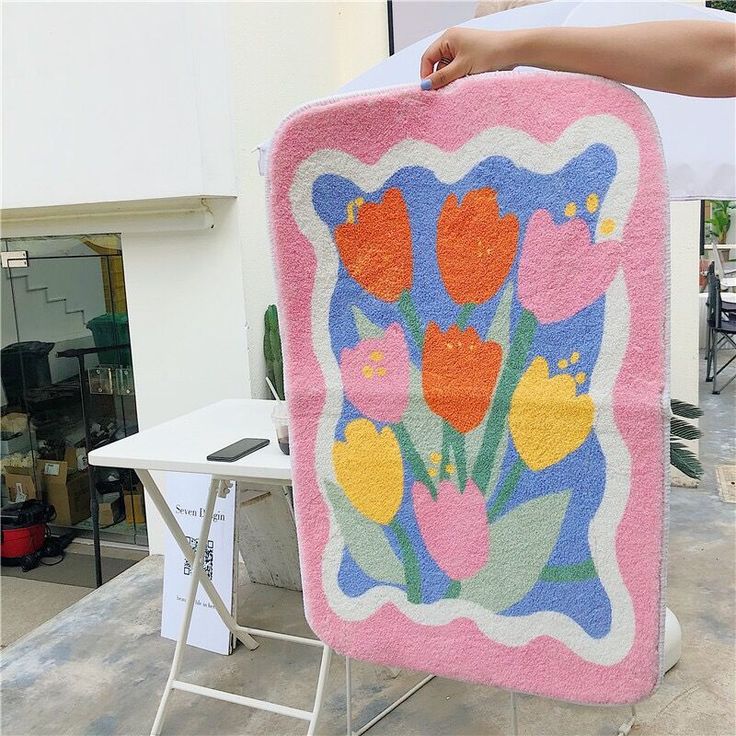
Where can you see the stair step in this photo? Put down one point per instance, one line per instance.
(49, 299)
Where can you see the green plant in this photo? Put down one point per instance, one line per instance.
(728, 6)
(272, 350)
(720, 219)
(682, 458)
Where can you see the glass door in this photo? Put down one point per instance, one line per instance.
(67, 383)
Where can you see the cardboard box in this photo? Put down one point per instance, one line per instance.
(112, 509)
(135, 512)
(75, 458)
(15, 442)
(67, 493)
(14, 422)
(21, 484)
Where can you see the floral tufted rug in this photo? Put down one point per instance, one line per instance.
(473, 288)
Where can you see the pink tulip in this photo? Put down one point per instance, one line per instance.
(454, 527)
(560, 272)
(375, 374)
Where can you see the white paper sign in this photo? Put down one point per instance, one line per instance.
(186, 494)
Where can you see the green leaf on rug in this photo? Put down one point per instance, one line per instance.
(572, 573)
(423, 431)
(365, 539)
(500, 329)
(497, 423)
(519, 547)
(500, 332)
(366, 328)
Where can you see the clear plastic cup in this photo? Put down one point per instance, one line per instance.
(280, 418)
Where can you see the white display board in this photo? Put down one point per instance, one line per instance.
(188, 494)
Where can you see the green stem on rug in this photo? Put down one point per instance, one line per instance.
(512, 370)
(411, 563)
(453, 590)
(569, 573)
(465, 314)
(457, 442)
(407, 308)
(445, 457)
(508, 487)
(497, 461)
(415, 460)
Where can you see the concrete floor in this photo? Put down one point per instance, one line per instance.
(29, 599)
(26, 604)
(99, 667)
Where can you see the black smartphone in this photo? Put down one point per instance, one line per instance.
(238, 449)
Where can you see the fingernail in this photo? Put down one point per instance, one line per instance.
(426, 84)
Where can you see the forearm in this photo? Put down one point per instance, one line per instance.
(695, 58)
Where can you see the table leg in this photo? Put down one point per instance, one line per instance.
(385, 711)
(349, 695)
(514, 715)
(625, 728)
(287, 497)
(189, 608)
(220, 486)
(163, 508)
(319, 696)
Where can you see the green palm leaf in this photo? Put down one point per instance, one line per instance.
(684, 430)
(683, 409)
(684, 460)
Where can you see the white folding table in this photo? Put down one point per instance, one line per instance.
(182, 445)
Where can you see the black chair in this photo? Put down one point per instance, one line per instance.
(721, 331)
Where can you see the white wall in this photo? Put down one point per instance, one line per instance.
(280, 56)
(684, 300)
(186, 312)
(283, 54)
(113, 102)
(684, 304)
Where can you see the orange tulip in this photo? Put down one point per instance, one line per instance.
(475, 247)
(375, 245)
(459, 373)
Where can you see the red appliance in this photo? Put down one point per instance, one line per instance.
(17, 543)
(23, 530)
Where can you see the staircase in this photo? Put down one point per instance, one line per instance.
(63, 319)
(39, 310)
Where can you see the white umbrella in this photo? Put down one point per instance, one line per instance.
(698, 134)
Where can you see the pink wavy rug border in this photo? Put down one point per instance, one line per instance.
(543, 105)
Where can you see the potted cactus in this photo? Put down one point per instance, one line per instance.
(272, 350)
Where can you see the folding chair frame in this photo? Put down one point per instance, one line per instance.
(717, 335)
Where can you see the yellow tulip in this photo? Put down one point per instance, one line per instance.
(369, 469)
(547, 419)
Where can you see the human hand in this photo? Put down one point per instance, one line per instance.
(462, 51)
(696, 58)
